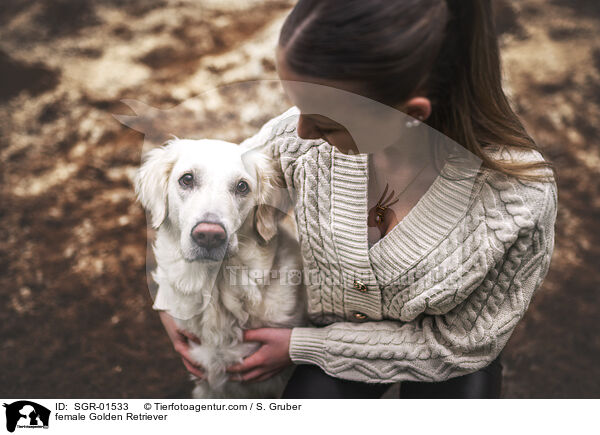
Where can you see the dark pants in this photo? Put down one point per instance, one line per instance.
(310, 382)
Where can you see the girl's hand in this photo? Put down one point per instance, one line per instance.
(180, 340)
(271, 358)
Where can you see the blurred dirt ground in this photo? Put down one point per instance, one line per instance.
(76, 320)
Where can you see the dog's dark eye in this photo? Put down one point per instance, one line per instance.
(242, 187)
(186, 180)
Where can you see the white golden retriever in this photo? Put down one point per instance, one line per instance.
(225, 260)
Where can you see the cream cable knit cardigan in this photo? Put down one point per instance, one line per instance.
(440, 295)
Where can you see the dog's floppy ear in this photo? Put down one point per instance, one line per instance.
(150, 182)
(272, 197)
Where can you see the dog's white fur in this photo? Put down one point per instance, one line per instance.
(217, 296)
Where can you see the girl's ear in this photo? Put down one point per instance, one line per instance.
(151, 182)
(418, 108)
(272, 196)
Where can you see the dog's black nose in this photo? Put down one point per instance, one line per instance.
(209, 235)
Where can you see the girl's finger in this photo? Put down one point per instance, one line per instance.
(185, 355)
(189, 336)
(245, 377)
(253, 361)
(193, 370)
(183, 349)
(193, 363)
(265, 376)
(255, 334)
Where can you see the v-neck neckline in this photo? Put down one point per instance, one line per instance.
(423, 227)
(368, 180)
(413, 208)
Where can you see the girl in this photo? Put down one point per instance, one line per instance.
(422, 276)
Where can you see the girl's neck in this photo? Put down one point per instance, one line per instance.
(398, 163)
(407, 175)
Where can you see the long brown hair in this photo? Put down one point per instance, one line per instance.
(446, 50)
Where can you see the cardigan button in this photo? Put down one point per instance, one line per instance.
(360, 286)
(360, 316)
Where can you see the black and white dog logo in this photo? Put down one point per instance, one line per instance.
(26, 414)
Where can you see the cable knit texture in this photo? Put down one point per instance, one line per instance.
(444, 289)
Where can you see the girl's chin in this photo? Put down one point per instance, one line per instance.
(350, 151)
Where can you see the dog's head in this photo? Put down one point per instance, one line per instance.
(204, 191)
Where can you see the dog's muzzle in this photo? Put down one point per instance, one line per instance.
(209, 235)
(210, 241)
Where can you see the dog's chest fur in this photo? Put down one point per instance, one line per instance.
(223, 301)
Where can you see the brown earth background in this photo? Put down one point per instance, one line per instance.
(76, 317)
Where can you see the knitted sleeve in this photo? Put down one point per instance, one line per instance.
(456, 339)
(265, 138)
(273, 139)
